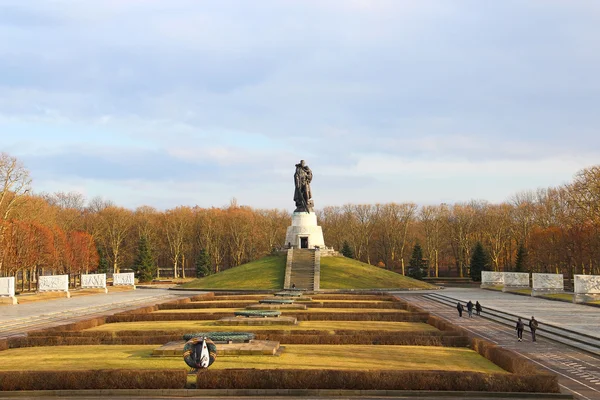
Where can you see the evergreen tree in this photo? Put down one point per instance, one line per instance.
(144, 266)
(347, 250)
(479, 262)
(202, 264)
(102, 260)
(521, 263)
(416, 263)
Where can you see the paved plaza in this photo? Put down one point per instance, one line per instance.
(578, 371)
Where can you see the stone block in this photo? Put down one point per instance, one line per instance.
(492, 278)
(94, 281)
(587, 284)
(124, 279)
(7, 290)
(53, 283)
(516, 279)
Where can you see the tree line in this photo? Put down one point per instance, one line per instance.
(554, 229)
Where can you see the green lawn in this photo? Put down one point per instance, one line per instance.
(295, 356)
(568, 297)
(266, 273)
(328, 327)
(336, 273)
(346, 273)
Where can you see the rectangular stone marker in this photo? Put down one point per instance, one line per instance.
(124, 279)
(7, 289)
(587, 287)
(94, 281)
(54, 283)
(516, 279)
(492, 278)
(547, 283)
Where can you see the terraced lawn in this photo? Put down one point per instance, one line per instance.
(295, 356)
(330, 326)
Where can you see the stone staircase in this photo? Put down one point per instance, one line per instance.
(303, 269)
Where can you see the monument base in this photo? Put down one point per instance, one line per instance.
(304, 233)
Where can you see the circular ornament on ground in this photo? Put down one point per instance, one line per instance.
(199, 352)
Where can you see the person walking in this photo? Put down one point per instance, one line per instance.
(477, 308)
(470, 308)
(533, 324)
(460, 308)
(520, 326)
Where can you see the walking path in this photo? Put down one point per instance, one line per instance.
(18, 319)
(578, 371)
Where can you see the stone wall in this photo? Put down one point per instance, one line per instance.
(547, 283)
(516, 279)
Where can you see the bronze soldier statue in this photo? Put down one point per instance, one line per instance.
(302, 194)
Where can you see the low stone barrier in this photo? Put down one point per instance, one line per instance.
(54, 283)
(7, 290)
(587, 288)
(547, 284)
(124, 279)
(491, 278)
(94, 281)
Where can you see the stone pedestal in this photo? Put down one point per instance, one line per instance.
(304, 233)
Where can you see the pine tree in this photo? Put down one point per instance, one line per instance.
(144, 266)
(416, 263)
(202, 264)
(479, 262)
(521, 263)
(102, 260)
(347, 250)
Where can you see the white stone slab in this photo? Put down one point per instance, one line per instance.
(492, 278)
(516, 279)
(93, 281)
(124, 279)
(52, 283)
(587, 284)
(548, 282)
(7, 286)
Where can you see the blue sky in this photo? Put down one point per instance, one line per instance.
(185, 102)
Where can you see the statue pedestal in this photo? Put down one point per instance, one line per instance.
(304, 233)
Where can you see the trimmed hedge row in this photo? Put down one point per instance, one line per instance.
(93, 379)
(198, 305)
(201, 297)
(300, 315)
(371, 380)
(378, 297)
(255, 297)
(383, 305)
(3, 344)
(365, 339)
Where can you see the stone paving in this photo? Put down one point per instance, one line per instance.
(578, 371)
(576, 317)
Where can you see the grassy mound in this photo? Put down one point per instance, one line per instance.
(266, 273)
(346, 273)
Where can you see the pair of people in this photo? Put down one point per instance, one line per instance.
(470, 306)
(533, 325)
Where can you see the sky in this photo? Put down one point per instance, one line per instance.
(189, 102)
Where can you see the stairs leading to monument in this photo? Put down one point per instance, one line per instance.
(303, 269)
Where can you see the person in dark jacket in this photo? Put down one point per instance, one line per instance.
(533, 324)
(477, 308)
(470, 308)
(520, 326)
(460, 308)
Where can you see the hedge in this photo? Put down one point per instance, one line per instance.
(372, 380)
(377, 297)
(93, 379)
(201, 305)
